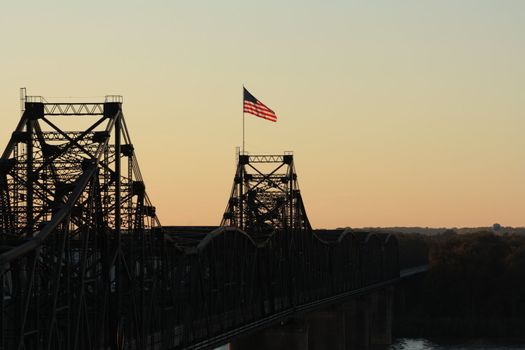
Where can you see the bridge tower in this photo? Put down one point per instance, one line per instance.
(78, 233)
(265, 197)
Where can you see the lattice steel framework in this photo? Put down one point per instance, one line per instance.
(77, 232)
(85, 264)
(265, 197)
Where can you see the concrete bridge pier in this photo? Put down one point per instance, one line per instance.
(354, 325)
(291, 335)
(381, 317)
(346, 326)
(357, 330)
(327, 329)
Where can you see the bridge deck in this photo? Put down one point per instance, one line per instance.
(413, 271)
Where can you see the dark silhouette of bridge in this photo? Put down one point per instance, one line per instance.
(86, 264)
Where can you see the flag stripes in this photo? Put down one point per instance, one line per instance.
(257, 108)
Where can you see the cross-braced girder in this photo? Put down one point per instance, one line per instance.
(78, 233)
(265, 196)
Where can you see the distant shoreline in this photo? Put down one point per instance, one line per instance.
(439, 230)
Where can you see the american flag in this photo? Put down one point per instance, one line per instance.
(254, 106)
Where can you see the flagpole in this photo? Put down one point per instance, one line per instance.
(243, 119)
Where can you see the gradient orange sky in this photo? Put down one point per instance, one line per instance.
(399, 113)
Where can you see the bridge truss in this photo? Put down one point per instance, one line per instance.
(85, 263)
(77, 231)
(265, 197)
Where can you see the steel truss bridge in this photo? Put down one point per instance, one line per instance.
(85, 263)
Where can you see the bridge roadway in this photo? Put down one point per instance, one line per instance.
(86, 264)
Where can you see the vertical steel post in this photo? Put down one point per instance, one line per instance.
(291, 189)
(117, 178)
(241, 192)
(29, 175)
(114, 111)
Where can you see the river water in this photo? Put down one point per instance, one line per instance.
(455, 344)
(449, 344)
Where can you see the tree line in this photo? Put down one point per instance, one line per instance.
(475, 285)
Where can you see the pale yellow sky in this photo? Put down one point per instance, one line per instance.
(398, 112)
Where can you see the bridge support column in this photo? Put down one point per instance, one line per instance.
(292, 335)
(345, 328)
(358, 317)
(326, 330)
(381, 325)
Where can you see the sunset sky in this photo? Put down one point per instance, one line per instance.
(399, 113)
